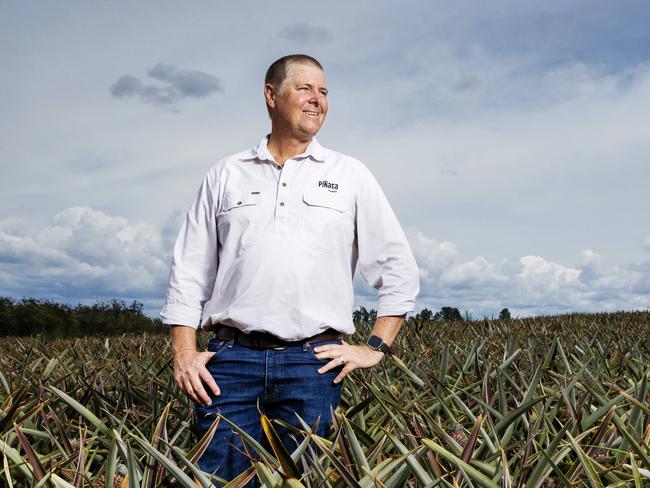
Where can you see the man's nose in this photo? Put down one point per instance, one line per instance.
(316, 98)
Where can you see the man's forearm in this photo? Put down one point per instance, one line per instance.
(183, 338)
(387, 327)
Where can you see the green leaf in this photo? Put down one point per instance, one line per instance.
(632, 441)
(541, 470)
(638, 483)
(16, 459)
(266, 476)
(587, 464)
(150, 464)
(169, 465)
(111, 464)
(410, 374)
(87, 414)
(471, 472)
(10, 406)
(356, 449)
(249, 440)
(417, 469)
(202, 444)
(514, 415)
(198, 474)
(345, 473)
(59, 482)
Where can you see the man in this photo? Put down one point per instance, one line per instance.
(265, 259)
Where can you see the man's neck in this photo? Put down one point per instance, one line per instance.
(283, 148)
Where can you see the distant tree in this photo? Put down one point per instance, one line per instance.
(372, 316)
(448, 314)
(505, 314)
(8, 322)
(360, 314)
(425, 315)
(136, 308)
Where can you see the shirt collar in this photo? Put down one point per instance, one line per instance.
(314, 150)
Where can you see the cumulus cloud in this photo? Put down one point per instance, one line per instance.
(531, 285)
(305, 33)
(177, 85)
(83, 254)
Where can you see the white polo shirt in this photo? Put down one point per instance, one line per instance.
(274, 249)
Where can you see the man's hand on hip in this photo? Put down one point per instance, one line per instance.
(190, 370)
(189, 365)
(361, 356)
(348, 355)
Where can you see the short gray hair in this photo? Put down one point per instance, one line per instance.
(277, 72)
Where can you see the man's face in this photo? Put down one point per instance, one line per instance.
(299, 107)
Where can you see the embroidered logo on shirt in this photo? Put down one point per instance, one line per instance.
(333, 187)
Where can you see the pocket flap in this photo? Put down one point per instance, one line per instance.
(325, 199)
(240, 199)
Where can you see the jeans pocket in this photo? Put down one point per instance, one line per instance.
(312, 345)
(217, 346)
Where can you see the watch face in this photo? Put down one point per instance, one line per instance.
(375, 342)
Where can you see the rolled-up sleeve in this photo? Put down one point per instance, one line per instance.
(194, 260)
(386, 262)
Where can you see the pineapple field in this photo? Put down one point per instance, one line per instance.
(541, 402)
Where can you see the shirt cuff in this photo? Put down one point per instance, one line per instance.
(384, 310)
(179, 314)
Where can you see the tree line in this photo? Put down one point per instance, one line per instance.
(31, 316)
(446, 314)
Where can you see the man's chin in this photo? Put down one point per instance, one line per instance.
(306, 135)
(312, 130)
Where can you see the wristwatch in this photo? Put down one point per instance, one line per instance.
(376, 343)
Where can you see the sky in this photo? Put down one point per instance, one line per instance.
(510, 137)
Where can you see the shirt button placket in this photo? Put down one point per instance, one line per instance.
(281, 213)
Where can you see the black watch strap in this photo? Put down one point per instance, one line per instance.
(377, 343)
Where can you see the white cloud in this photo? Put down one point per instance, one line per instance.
(434, 257)
(84, 253)
(532, 285)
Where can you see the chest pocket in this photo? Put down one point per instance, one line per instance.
(326, 222)
(238, 220)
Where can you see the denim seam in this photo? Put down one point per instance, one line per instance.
(266, 374)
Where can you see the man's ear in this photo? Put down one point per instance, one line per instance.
(269, 95)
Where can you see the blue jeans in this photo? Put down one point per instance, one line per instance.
(284, 382)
